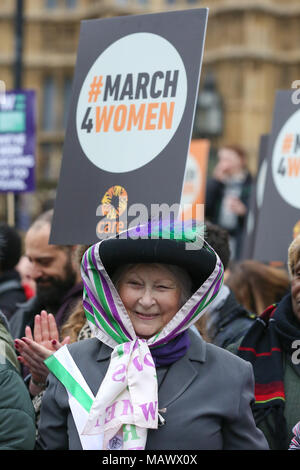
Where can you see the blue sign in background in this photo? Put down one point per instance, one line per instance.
(17, 141)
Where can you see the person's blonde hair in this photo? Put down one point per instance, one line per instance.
(77, 319)
(74, 323)
(293, 255)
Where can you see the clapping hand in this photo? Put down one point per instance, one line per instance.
(35, 348)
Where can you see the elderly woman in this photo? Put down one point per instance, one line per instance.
(272, 346)
(145, 380)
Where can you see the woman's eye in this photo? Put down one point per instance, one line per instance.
(134, 283)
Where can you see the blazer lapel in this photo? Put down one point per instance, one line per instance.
(181, 374)
(104, 352)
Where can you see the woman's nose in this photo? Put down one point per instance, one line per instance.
(147, 299)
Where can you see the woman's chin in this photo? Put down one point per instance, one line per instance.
(146, 333)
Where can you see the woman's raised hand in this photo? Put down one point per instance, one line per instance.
(35, 348)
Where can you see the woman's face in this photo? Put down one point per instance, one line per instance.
(295, 289)
(230, 161)
(151, 295)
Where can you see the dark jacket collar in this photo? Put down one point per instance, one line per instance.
(12, 274)
(73, 292)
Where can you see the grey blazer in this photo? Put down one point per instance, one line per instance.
(207, 395)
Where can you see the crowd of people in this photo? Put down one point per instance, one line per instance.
(137, 342)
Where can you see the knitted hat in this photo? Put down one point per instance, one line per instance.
(10, 247)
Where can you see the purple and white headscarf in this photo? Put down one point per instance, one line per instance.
(108, 317)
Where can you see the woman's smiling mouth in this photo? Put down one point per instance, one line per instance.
(146, 316)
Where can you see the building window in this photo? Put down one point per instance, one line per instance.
(48, 111)
(51, 3)
(71, 3)
(50, 163)
(61, 3)
(67, 90)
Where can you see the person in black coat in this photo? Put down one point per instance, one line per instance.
(228, 193)
(226, 319)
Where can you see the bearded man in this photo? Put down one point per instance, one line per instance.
(56, 274)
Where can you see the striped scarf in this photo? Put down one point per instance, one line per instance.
(272, 333)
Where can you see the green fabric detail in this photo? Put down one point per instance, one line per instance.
(90, 317)
(120, 351)
(178, 232)
(270, 399)
(102, 322)
(69, 382)
(130, 429)
(204, 302)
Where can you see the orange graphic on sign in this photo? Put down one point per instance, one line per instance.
(287, 143)
(95, 88)
(114, 202)
(296, 230)
(294, 166)
(125, 118)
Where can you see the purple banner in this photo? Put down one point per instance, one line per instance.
(17, 141)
